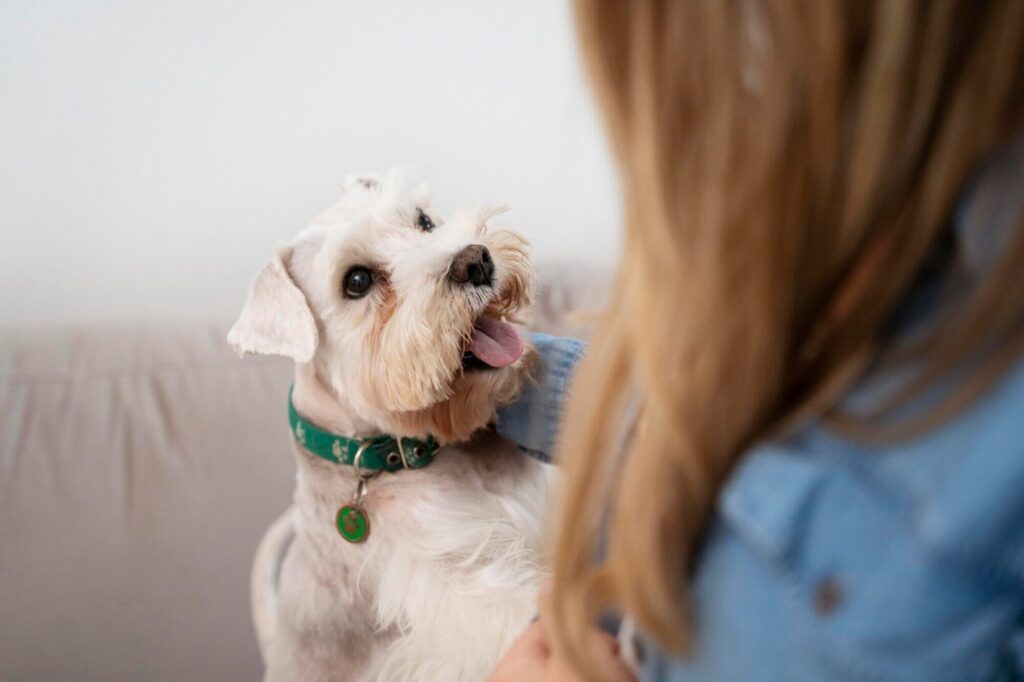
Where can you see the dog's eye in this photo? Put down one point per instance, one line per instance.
(358, 281)
(423, 221)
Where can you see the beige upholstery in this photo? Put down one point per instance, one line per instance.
(139, 466)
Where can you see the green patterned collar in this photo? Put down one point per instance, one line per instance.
(376, 453)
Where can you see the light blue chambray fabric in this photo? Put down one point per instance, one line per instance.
(532, 421)
(828, 560)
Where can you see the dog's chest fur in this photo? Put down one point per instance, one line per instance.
(446, 580)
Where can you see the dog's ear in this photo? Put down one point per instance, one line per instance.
(276, 319)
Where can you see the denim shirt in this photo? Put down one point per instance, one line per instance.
(830, 560)
(532, 421)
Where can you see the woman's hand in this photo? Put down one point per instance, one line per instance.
(535, 657)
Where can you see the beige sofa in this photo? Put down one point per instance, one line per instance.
(139, 465)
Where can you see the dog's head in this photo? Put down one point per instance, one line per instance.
(403, 316)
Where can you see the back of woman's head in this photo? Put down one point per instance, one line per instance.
(787, 167)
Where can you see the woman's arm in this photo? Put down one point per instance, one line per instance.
(533, 420)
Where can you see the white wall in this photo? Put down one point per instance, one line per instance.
(153, 152)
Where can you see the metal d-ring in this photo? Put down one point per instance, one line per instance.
(357, 463)
(364, 478)
(360, 494)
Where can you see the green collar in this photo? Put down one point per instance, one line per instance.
(376, 453)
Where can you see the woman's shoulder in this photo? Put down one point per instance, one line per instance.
(962, 483)
(955, 488)
(955, 493)
(902, 562)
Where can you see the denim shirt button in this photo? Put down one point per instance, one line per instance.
(828, 595)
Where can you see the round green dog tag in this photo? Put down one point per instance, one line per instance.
(353, 523)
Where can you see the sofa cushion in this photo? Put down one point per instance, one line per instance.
(138, 468)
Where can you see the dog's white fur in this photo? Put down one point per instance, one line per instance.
(449, 574)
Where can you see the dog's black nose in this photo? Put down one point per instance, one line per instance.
(472, 265)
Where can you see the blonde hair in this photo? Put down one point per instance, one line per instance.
(786, 167)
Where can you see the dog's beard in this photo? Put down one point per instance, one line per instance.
(475, 396)
(422, 380)
(436, 392)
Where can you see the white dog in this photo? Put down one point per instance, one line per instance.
(399, 326)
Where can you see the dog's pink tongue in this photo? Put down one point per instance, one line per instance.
(496, 342)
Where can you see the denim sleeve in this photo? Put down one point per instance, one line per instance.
(532, 422)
